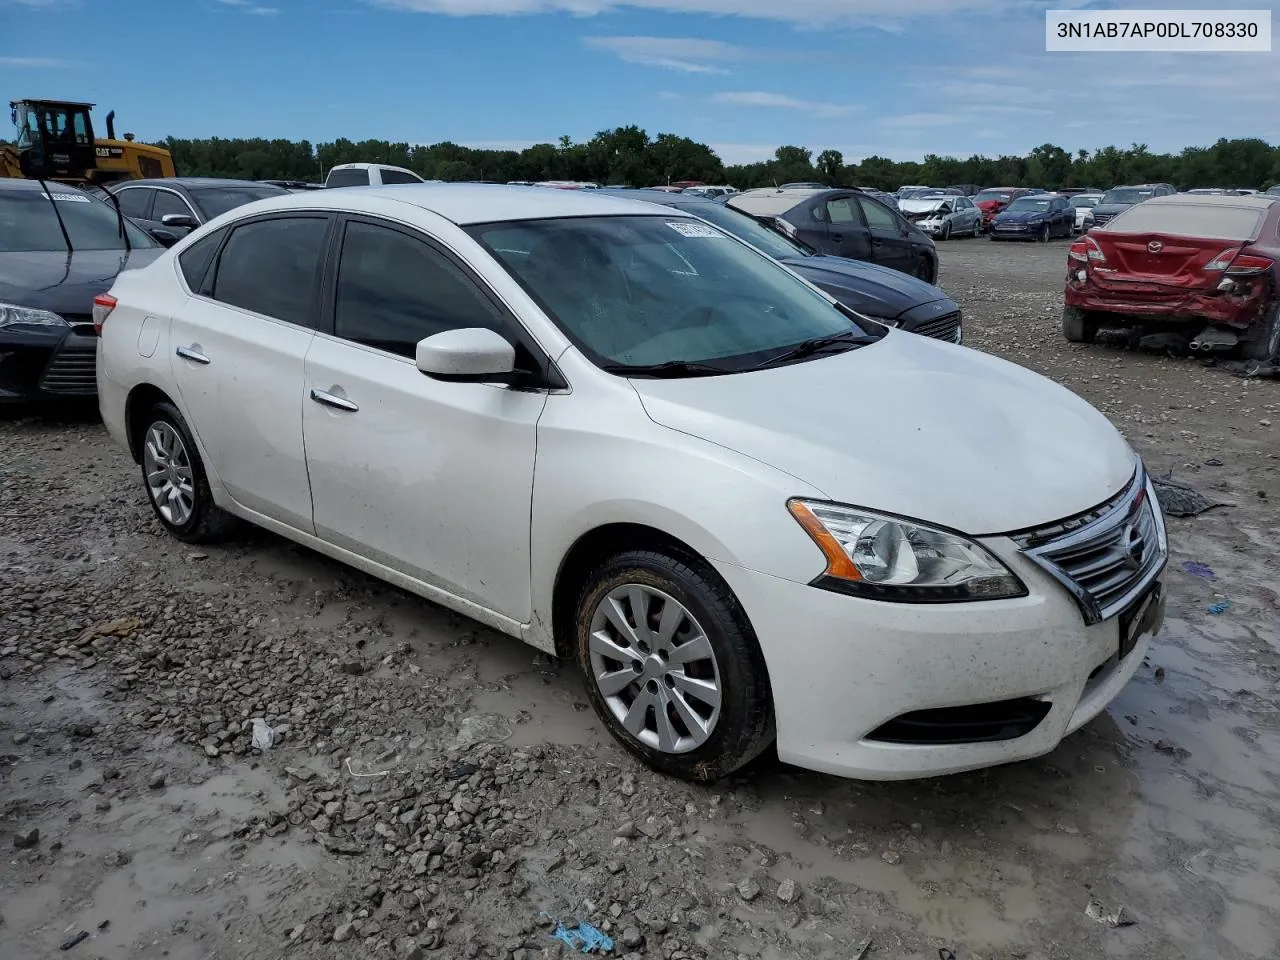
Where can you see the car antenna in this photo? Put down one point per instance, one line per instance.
(57, 213)
(115, 202)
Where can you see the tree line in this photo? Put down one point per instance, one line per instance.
(628, 155)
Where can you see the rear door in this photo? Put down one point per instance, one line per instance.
(891, 244)
(847, 234)
(810, 222)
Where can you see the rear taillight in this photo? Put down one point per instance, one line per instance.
(1236, 264)
(103, 304)
(1085, 249)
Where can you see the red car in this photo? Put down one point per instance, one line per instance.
(1206, 268)
(994, 199)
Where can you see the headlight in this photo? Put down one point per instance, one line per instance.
(11, 315)
(888, 558)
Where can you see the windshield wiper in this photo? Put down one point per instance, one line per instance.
(672, 369)
(817, 345)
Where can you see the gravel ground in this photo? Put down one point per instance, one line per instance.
(437, 789)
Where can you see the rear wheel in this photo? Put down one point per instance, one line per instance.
(1078, 326)
(1262, 340)
(672, 666)
(175, 479)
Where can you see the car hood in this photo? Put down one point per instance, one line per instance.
(920, 206)
(913, 427)
(1021, 216)
(65, 283)
(866, 287)
(1111, 208)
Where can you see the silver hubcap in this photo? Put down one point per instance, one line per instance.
(168, 468)
(654, 666)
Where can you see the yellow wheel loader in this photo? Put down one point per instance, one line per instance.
(55, 141)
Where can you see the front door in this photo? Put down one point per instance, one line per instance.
(891, 243)
(237, 357)
(431, 478)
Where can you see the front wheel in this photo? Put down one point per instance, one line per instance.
(1045, 233)
(946, 231)
(977, 229)
(175, 479)
(924, 270)
(671, 665)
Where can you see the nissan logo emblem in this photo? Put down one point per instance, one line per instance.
(1155, 246)
(1134, 548)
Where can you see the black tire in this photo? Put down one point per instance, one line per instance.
(744, 727)
(1078, 326)
(1046, 232)
(207, 523)
(977, 229)
(946, 231)
(1262, 340)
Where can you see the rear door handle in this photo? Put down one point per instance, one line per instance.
(332, 400)
(192, 354)
(838, 237)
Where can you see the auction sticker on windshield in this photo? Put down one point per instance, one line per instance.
(69, 197)
(687, 229)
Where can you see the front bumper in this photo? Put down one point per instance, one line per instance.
(1015, 231)
(47, 365)
(940, 320)
(843, 670)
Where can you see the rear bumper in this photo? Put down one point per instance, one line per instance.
(47, 367)
(1150, 304)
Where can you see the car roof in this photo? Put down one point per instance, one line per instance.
(367, 166)
(768, 202)
(190, 182)
(660, 197)
(467, 203)
(1248, 201)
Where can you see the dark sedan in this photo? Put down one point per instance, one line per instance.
(174, 206)
(846, 223)
(1036, 217)
(58, 250)
(886, 295)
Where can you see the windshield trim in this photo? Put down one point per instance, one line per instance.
(755, 361)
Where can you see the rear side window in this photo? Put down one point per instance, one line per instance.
(135, 202)
(194, 261)
(1189, 220)
(356, 177)
(272, 267)
(395, 176)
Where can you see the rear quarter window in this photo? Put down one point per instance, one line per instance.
(1189, 220)
(194, 261)
(396, 176)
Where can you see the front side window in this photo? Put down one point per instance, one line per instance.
(634, 293)
(215, 201)
(394, 290)
(878, 215)
(28, 222)
(167, 203)
(272, 267)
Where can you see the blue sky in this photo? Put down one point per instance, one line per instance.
(899, 78)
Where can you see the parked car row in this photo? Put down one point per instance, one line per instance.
(616, 432)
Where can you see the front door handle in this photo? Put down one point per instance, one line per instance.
(332, 400)
(838, 237)
(192, 354)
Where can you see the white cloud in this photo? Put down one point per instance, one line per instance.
(781, 101)
(685, 54)
(35, 63)
(251, 8)
(792, 11)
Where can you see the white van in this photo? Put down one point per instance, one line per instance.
(369, 175)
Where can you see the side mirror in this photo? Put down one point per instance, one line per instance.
(181, 220)
(164, 237)
(469, 355)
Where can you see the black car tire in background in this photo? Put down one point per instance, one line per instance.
(1262, 340)
(1078, 326)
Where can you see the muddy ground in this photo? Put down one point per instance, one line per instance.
(439, 790)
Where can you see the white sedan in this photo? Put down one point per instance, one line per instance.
(608, 429)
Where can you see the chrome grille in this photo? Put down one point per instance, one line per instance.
(71, 371)
(945, 327)
(1101, 218)
(1108, 556)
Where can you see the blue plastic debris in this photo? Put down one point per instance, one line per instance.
(1201, 570)
(1219, 608)
(584, 938)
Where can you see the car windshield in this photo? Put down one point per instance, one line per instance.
(1085, 201)
(215, 201)
(1127, 195)
(638, 292)
(992, 195)
(1029, 205)
(748, 228)
(1207, 221)
(28, 222)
